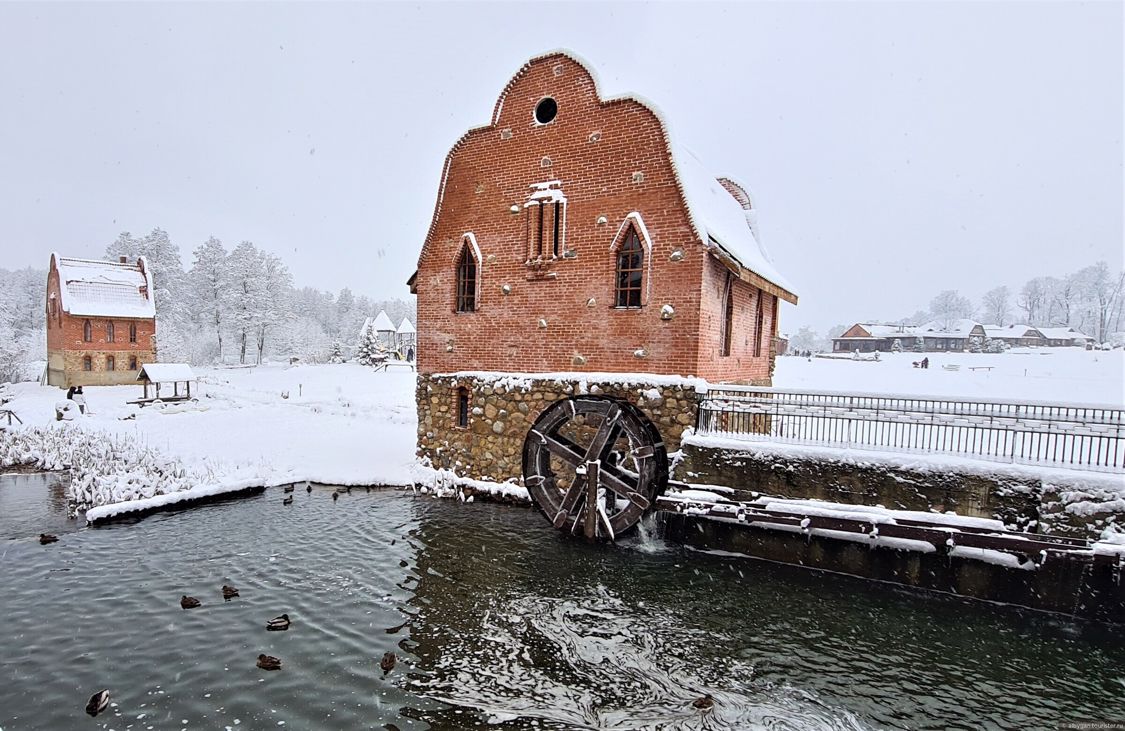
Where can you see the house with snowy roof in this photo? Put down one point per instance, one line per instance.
(573, 233)
(1065, 337)
(101, 321)
(870, 337)
(1015, 335)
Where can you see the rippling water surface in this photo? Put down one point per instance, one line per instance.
(498, 623)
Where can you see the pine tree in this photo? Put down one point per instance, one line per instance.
(370, 349)
(336, 354)
(896, 346)
(975, 344)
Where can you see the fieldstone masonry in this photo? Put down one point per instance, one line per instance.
(503, 407)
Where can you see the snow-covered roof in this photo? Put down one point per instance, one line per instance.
(382, 323)
(955, 328)
(881, 330)
(406, 327)
(105, 288)
(165, 372)
(722, 220)
(1062, 333)
(1011, 331)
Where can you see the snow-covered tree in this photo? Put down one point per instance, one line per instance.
(12, 355)
(919, 345)
(276, 285)
(206, 282)
(370, 349)
(896, 346)
(996, 306)
(1102, 292)
(336, 352)
(976, 344)
(244, 295)
(805, 339)
(163, 260)
(949, 306)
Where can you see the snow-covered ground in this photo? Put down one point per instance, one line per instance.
(339, 424)
(1024, 374)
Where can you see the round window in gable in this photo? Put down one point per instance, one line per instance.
(546, 110)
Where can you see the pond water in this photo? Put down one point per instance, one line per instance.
(499, 622)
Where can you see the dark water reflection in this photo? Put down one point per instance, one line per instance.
(499, 623)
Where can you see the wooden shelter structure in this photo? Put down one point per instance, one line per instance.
(155, 375)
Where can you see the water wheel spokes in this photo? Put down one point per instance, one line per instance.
(594, 465)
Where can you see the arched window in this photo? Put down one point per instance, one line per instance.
(466, 280)
(87, 333)
(110, 363)
(463, 407)
(630, 270)
(109, 332)
(728, 316)
(132, 332)
(87, 363)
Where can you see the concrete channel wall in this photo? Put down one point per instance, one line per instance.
(1072, 506)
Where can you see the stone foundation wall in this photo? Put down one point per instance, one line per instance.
(502, 408)
(1024, 503)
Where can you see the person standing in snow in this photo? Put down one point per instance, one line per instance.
(925, 363)
(80, 399)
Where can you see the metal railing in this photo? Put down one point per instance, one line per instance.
(1079, 436)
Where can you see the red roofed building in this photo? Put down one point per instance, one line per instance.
(571, 234)
(101, 321)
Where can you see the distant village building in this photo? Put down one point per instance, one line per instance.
(101, 321)
(571, 234)
(955, 336)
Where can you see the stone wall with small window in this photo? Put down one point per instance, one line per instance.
(475, 425)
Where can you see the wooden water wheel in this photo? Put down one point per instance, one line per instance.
(594, 465)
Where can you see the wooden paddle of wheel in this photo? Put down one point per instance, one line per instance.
(594, 465)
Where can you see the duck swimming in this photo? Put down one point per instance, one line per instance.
(705, 704)
(269, 662)
(335, 496)
(229, 592)
(287, 501)
(189, 602)
(278, 624)
(98, 702)
(288, 488)
(388, 662)
(46, 538)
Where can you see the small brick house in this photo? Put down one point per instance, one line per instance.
(101, 321)
(571, 234)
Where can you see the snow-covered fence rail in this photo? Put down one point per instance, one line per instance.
(1079, 436)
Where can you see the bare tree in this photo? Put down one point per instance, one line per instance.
(1032, 298)
(996, 306)
(1101, 291)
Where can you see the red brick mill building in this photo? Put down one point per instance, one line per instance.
(572, 236)
(101, 321)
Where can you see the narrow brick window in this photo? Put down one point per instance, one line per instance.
(463, 407)
(109, 332)
(132, 332)
(133, 363)
(630, 267)
(466, 280)
(87, 333)
(87, 363)
(759, 320)
(728, 316)
(110, 363)
(556, 239)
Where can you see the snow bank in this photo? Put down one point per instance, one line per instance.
(526, 381)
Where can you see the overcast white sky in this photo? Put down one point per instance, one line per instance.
(893, 149)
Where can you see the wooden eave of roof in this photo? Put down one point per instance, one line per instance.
(413, 282)
(751, 277)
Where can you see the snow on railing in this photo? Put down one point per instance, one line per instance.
(1083, 436)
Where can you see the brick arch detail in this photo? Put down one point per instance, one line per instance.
(635, 222)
